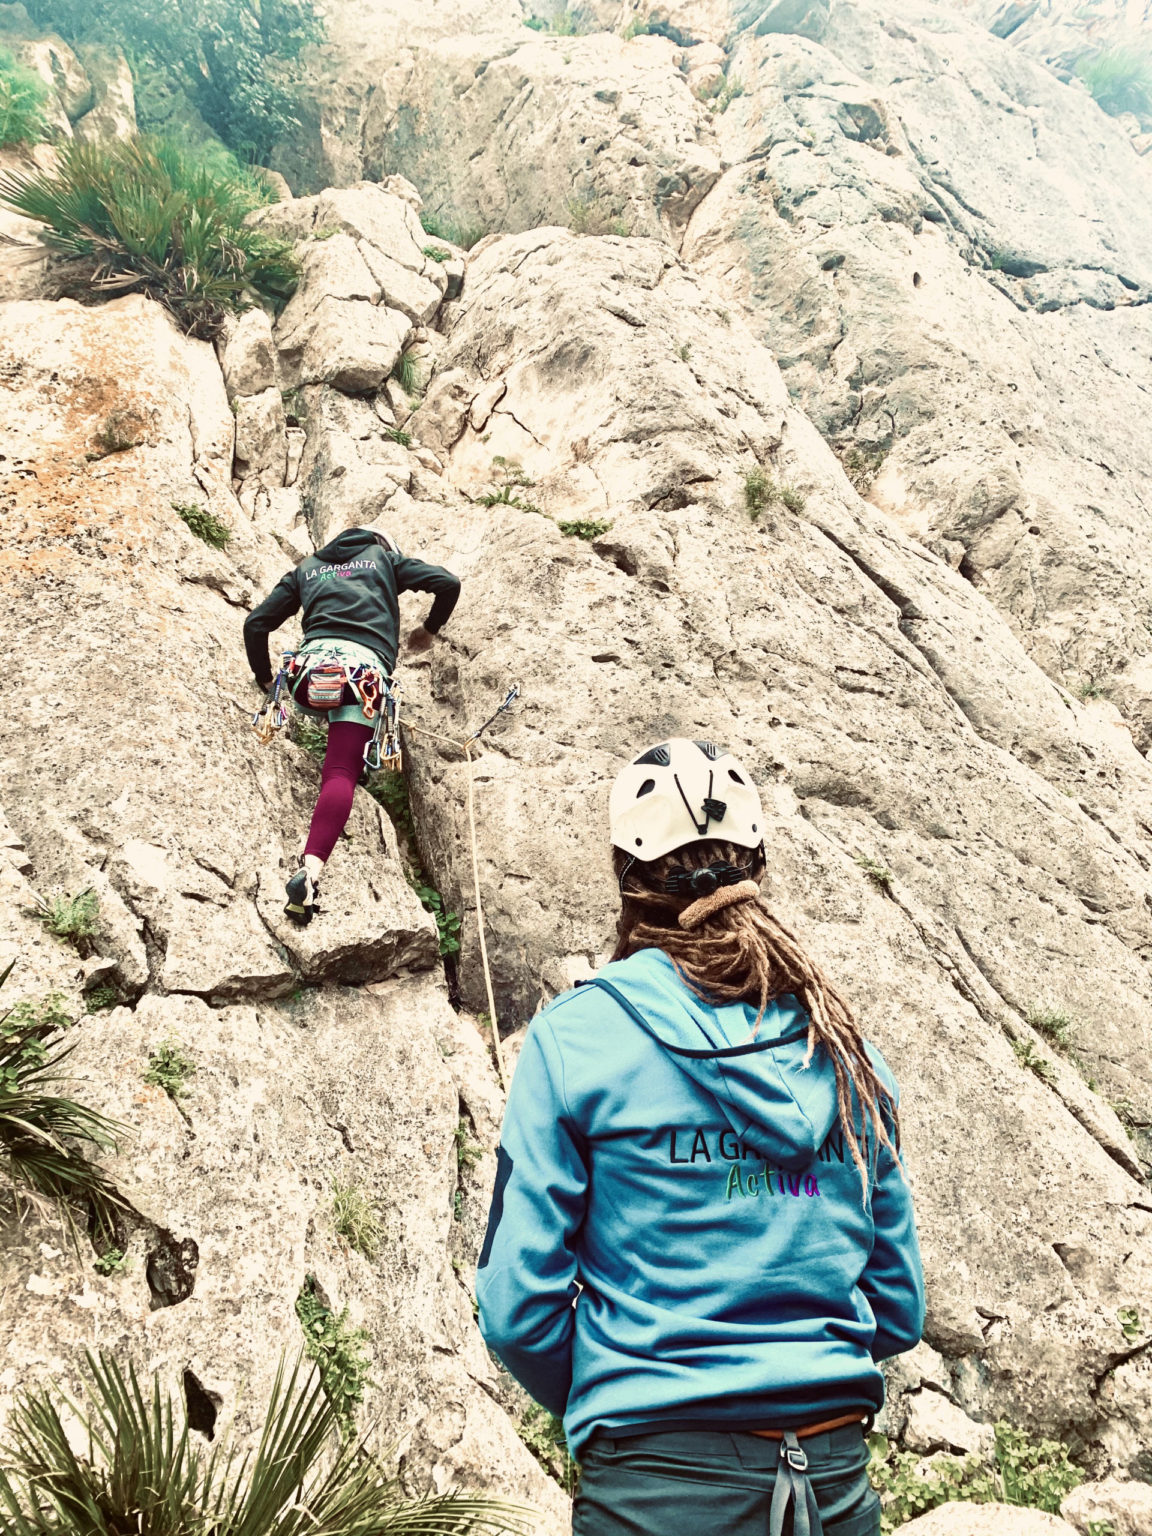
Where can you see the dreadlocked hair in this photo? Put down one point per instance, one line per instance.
(743, 953)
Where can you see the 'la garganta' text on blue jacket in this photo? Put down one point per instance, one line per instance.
(678, 1234)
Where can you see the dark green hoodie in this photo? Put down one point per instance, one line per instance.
(348, 591)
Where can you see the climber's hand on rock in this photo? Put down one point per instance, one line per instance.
(420, 639)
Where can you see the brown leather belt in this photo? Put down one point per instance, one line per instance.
(810, 1429)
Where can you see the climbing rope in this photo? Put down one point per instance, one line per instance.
(466, 747)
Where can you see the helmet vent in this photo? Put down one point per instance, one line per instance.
(646, 788)
(732, 774)
(709, 749)
(659, 756)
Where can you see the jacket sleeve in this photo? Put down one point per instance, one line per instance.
(280, 604)
(415, 576)
(893, 1280)
(526, 1281)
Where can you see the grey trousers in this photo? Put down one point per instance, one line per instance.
(708, 1483)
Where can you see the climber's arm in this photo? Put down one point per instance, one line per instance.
(416, 576)
(280, 604)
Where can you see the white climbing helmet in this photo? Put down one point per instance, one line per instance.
(385, 540)
(683, 792)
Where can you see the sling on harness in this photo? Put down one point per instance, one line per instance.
(324, 679)
(792, 1487)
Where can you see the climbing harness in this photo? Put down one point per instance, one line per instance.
(323, 679)
(466, 747)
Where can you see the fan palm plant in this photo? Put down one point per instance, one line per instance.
(141, 215)
(141, 1471)
(36, 1123)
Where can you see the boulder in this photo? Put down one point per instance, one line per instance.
(247, 354)
(934, 1423)
(112, 114)
(261, 444)
(62, 72)
(960, 1519)
(1123, 1506)
(351, 344)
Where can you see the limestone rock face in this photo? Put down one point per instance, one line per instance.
(947, 249)
(1126, 1507)
(318, 1054)
(891, 714)
(112, 114)
(596, 130)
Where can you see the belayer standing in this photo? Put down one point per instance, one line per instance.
(349, 593)
(701, 1238)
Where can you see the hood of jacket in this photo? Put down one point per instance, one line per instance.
(771, 1097)
(346, 546)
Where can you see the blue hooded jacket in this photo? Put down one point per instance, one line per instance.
(678, 1236)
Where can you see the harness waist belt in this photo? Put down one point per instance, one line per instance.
(810, 1429)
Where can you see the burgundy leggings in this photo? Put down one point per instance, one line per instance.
(342, 764)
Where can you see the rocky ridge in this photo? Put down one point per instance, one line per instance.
(964, 842)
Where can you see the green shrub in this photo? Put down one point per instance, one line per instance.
(138, 215)
(468, 1153)
(728, 93)
(593, 215)
(355, 1218)
(1034, 1473)
(565, 21)
(1055, 1024)
(143, 1470)
(408, 373)
(1120, 79)
(395, 435)
(879, 874)
(1130, 1324)
(437, 253)
(390, 789)
(235, 67)
(759, 492)
(583, 530)
(308, 734)
(792, 499)
(23, 96)
(339, 1351)
(36, 1123)
(170, 1069)
(862, 465)
(101, 998)
(1032, 1061)
(69, 917)
(203, 524)
(543, 1433)
(453, 228)
(447, 921)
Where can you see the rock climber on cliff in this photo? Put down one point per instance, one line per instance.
(701, 1238)
(349, 593)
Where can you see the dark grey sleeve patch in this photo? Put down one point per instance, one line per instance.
(496, 1210)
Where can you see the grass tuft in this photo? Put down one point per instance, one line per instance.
(37, 1124)
(170, 1069)
(1055, 1024)
(862, 465)
(1120, 79)
(583, 530)
(468, 1153)
(143, 215)
(454, 229)
(761, 492)
(203, 524)
(69, 917)
(395, 435)
(23, 97)
(437, 253)
(1030, 1059)
(593, 215)
(879, 874)
(408, 372)
(355, 1218)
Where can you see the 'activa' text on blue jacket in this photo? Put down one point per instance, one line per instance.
(678, 1233)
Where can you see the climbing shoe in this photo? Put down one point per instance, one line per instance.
(303, 897)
